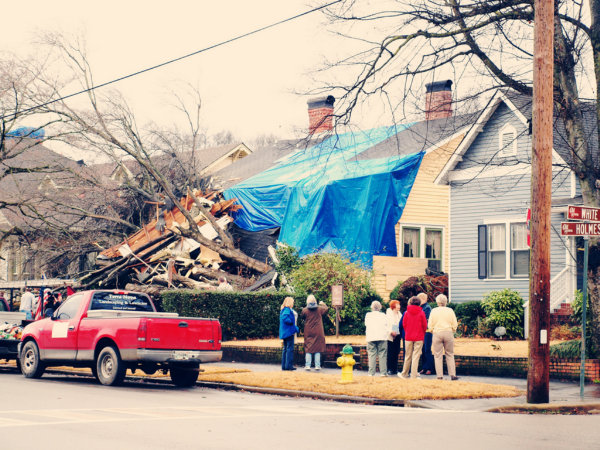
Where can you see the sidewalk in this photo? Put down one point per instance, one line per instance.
(561, 393)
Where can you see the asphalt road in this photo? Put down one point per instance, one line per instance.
(67, 412)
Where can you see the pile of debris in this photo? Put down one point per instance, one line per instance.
(162, 255)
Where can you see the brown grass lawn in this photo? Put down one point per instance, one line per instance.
(388, 388)
(462, 346)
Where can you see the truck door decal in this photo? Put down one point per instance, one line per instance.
(60, 329)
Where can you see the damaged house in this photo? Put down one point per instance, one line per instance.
(369, 195)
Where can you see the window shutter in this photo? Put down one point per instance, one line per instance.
(482, 251)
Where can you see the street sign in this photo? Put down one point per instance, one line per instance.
(583, 213)
(579, 229)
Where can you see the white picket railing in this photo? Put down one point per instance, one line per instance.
(562, 290)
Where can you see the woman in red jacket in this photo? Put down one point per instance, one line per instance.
(414, 324)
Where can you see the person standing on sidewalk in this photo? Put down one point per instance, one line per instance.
(377, 332)
(427, 365)
(27, 304)
(393, 346)
(414, 324)
(314, 334)
(287, 330)
(443, 325)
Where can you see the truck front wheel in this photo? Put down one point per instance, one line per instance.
(110, 369)
(31, 366)
(184, 377)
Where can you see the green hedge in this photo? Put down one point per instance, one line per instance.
(243, 315)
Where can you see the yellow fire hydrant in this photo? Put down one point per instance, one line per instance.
(346, 362)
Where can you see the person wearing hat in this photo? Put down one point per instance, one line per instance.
(314, 334)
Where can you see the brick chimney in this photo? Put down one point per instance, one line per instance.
(438, 100)
(320, 114)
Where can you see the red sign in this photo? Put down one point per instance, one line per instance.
(583, 213)
(528, 227)
(579, 229)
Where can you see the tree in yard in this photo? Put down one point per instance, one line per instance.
(487, 44)
(317, 273)
(105, 124)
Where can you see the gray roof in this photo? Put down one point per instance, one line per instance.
(524, 103)
(49, 179)
(262, 159)
(420, 136)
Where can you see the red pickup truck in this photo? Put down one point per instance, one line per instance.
(112, 331)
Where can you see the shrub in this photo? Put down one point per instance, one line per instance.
(432, 286)
(469, 314)
(289, 260)
(577, 306)
(242, 315)
(568, 349)
(577, 317)
(564, 332)
(319, 272)
(504, 309)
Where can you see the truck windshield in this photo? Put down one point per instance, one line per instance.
(119, 301)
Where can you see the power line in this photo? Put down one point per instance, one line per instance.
(148, 69)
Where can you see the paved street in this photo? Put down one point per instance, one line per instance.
(59, 412)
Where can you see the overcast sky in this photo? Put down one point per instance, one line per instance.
(246, 87)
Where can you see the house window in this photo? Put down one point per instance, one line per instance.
(497, 251)
(519, 252)
(423, 241)
(507, 141)
(410, 242)
(433, 248)
(503, 251)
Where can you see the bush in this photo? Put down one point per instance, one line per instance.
(319, 272)
(568, 349)
(289, 260)
(504, 309)
(242, 315)
(469, 315)
(577, 317)
(564, 332)
(577, 306)
(432, 286)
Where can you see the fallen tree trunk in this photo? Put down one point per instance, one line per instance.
(215, 274)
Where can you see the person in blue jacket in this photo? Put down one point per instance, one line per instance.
(287, 331)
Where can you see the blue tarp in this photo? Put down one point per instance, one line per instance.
(29, 132)
(324, 202)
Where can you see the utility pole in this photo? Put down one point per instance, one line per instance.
(538, 378)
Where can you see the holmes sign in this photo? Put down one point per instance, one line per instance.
(579, 229)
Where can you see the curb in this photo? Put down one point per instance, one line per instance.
(306, 394)
(549, 408)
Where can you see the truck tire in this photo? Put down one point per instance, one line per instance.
(184, 377)
(31, 365)
(110, 369)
